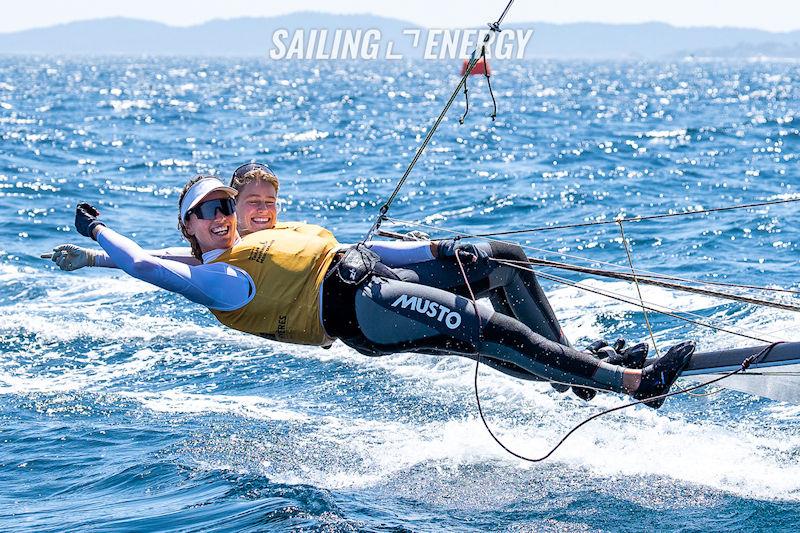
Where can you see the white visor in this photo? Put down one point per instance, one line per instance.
(200, 190)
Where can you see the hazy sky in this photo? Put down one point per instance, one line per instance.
(774, 15)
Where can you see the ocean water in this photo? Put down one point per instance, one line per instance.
(127, 408)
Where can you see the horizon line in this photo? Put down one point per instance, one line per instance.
(366, 14)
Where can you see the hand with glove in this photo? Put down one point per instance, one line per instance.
(87, 221)
(466, 250)
(69, 257)
(416, 235)
(632, 357)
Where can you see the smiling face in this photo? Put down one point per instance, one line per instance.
(219, 232)
(256, 206)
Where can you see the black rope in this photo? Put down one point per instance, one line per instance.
(489, 83)
(755, 358)
(653, 276)
(466, 104)
(746, 363)
(709, 325)
(650, 281)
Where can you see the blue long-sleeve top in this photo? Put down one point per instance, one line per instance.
(219, 285)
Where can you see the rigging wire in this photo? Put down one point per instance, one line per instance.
(698, 321)
(671, 313)
(638, 289)
(639, 218)
(647, 280)
(607, 273)
(494, 27)
(654, 277)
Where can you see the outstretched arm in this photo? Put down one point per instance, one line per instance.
(217, 285)
(71, 257)
(400, 253)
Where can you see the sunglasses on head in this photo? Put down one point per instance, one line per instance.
(208, 210)
(247, 167)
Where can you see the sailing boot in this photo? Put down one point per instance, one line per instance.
(658, 377)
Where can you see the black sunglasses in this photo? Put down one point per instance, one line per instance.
(208, 210)
(247, 167)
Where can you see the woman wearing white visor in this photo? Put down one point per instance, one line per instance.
(257, 208)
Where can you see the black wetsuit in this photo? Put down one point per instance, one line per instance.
(425, 308)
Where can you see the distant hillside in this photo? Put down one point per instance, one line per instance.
(253, 37)
(653, 41)
(230, 37)
(747, 50)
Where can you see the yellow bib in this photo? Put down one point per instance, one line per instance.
(288, 265)
(306, 229)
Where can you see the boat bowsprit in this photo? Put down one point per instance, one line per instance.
(775, 375)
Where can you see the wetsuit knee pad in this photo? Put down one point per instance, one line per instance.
(506, 250)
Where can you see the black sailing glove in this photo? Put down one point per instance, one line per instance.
(631, 357)
(86, 220)
(618, 354)
(466, 250)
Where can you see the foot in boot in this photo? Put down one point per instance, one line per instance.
(614, 355)
(601, 350)
(658, 377)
